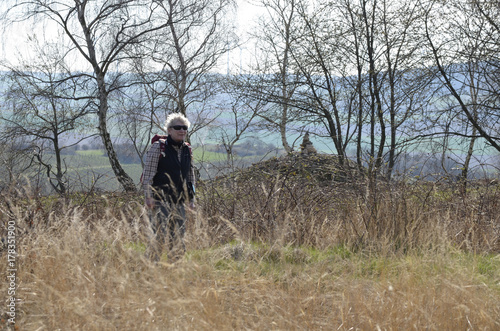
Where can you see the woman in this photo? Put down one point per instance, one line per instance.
(168, 184)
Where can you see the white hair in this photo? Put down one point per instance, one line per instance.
(176, 118)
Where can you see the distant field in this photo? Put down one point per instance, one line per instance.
(200, 155)
(95, 162)
(91, 152)
(91, 169)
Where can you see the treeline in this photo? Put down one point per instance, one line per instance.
(380, 80)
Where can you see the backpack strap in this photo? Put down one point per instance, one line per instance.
(163, 142)
(190, 149)
(163, 147)
(158, 137)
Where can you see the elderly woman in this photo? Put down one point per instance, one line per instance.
(168, 183)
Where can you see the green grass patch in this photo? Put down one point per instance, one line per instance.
(90, 152)
(276, 262)
(137, 246)
(200, 155)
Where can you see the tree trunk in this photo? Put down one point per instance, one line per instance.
(102, 94)
(123, 178)
(465, 169)
(61, 186)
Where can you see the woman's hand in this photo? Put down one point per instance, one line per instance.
(150, 202)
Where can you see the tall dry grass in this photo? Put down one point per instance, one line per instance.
(265, 255)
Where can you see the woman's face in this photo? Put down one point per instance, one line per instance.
(178, 131)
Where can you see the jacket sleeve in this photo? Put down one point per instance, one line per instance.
(150, 168)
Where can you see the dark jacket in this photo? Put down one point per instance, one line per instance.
(170, 182)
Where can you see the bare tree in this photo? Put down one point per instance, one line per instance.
(275, 39)
(184, 53)
(238, 120)
(405, 90)
(100, 33)
(358, 61)
(45, 106)
(322, 95)
(489, 11)
(143, 111)
(354, 49)
(469, 36)
(172, 70)
(15, 160)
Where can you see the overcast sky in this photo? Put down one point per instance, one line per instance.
(14, 38)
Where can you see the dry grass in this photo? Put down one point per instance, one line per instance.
(281, 260)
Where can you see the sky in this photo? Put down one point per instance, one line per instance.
(247, 15)
(14, 42)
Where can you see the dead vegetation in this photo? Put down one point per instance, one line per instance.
(266, 250)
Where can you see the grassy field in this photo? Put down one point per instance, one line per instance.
(90, 169)
(272, 255)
